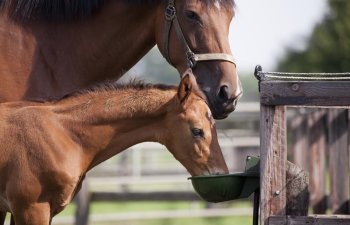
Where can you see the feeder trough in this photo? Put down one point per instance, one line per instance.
(220, 188)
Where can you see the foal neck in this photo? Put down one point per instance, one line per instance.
(110, 103)
(107, 122)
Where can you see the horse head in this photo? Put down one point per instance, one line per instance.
(191, 135)
(194, 34)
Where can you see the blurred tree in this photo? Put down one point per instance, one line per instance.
(328, 48)
(153, 68)
(250, 88)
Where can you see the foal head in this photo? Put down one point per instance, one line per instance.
(191, 133)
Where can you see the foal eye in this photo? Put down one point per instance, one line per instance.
(192, 15)
(197, 133)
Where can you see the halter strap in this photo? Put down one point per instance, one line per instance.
(215, 56)
(170, 13)
(191, 57)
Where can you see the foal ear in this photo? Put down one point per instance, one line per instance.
(185, 88)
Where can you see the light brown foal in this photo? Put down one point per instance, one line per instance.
(47, 148)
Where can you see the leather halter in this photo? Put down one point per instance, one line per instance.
(191, 57)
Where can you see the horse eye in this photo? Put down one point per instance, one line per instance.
(192, 15)
(197, 133)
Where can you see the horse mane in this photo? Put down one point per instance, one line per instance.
(29, 10)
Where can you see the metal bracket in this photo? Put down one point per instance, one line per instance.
(258, 74)
(170, 12)
(191, 60)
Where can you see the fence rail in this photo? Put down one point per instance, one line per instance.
(310, 142)
(328, 131)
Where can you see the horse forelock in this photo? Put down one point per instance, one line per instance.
(225, 3)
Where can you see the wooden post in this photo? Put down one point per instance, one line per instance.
(2, 217)
(299, 139)
(256, 207)
(317, 158)
(297, 190)
(349, 154)
(83, 204)
(310, 220)
(273, 154)
(338, 156)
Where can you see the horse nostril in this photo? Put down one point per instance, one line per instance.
(224, 93)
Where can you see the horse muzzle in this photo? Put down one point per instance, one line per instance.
(222, 105)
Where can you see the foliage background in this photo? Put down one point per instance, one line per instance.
(328, 47)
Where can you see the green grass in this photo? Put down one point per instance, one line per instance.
(115, 207)
(112, 207)
(198, 221)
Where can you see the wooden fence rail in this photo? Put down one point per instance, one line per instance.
(323, 134)
(320, 137)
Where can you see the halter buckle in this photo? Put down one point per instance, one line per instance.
(170, 12)
(191, 61)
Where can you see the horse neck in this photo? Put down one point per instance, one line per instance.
(70, 55)
(107, 123)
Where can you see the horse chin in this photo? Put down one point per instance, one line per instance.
(220, 110)
(220, 116)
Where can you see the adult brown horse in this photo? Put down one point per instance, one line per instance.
(47, 148)
(51, 48)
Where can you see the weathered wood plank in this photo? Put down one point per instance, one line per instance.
(145, 196)
(309, 220)
(297, 194)
(338, 157)
(273, 156)
(349, 155)
(298, 129)
(83, 204)
(317, 158)
(311, 93)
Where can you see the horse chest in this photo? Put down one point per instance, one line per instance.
(65, 194)
(62, 197)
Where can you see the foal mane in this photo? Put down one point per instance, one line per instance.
(52, 10)
(108, 90)
(135, 95)
(108, 87)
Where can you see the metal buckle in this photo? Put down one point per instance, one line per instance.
(191, 61)
(170, 12)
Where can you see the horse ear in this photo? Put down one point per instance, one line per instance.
(185, 87)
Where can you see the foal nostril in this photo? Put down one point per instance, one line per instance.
(224, 93)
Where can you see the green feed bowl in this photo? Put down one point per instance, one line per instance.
(220, 188)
